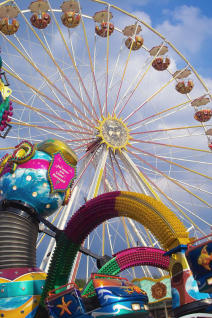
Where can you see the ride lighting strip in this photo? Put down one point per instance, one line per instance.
(161, 221)
(131, 257)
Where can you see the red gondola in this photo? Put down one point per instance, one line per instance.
(203, 115)
(136, 44)
(160, 63)
(70, 19)
(105, 28)
(184, 88)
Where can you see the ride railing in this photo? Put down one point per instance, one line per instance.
(60, 291)
(191, 245)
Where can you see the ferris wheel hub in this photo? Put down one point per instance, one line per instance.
(114, 133)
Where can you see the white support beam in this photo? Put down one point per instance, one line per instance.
(94, 188)
(139, 178)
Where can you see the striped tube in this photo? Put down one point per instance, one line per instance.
(153, 214)
(135, 256)
(18, 236)
(142, 256)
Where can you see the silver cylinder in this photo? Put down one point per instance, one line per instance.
(18, 236)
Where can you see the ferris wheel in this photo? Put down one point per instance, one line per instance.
(129, 104)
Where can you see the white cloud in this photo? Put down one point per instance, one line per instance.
(189, 29)
(143, 16)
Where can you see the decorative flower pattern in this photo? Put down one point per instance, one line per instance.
(159, 290)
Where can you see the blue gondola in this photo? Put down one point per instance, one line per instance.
(113, 296)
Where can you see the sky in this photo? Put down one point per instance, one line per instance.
(186, 23)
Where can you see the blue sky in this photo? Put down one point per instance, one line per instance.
(186, 23)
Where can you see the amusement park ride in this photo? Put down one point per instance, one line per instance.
(62, 121)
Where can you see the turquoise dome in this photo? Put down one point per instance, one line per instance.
(31, 185)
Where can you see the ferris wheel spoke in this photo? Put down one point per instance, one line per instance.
(109, 237)
(41, 94)
(193, 187)
(124, 72)
(148, 120)
(141, 79)
(42, 129)
(47, 80)
(170, 162)
(22, 138)
(87, 261)
(107, 60)
(178, 137)
(48, 129)
(113, 170)
(50, 121)
(128, 90)
(76, 69)
(86, 145)
(40, 111)
(6, 148)
(167, 112)
(180, 181)
(68, 98)
(193, 214)
(117, 232)
(171, 179)
(5, 2)
(58, 128)
(91, 65)
(150, 98)
(125, 231)
(79, 82)
(103, 238)
(166, 129)
(94, 66)
(98, 176)
(168, 145)
(80, 140)
(138, 176)
(169, 199)
(53, 60)
(85, 167)
(120, 171)
(113, 176)
(187, 160)
(114, 72)
(105, 179)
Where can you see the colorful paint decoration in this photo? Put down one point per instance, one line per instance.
(61, 173)
(157, 289)
(199, 256)
(6, 108)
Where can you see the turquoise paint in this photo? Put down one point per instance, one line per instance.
(24, 188)
(23, 288)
